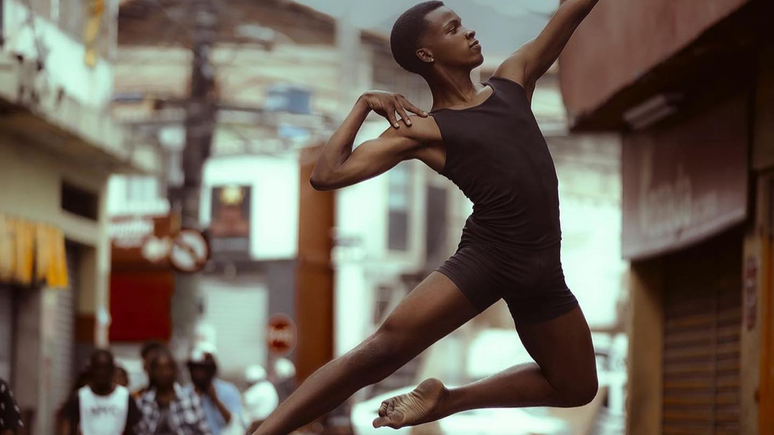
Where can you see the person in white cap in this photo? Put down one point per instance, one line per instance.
(221, 400)
(260, 399)
(284, 377)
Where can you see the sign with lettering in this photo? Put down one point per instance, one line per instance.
(686, 182)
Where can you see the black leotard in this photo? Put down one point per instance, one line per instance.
(497, 156)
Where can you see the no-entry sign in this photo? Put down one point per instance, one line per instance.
(281, 334)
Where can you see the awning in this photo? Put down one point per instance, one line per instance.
(32, 253)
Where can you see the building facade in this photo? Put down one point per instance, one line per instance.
(57, 150)
(693, 105)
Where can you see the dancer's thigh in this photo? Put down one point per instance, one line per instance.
(432, 310)
(563, 349)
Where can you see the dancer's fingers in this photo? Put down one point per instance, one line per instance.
(407, 104)
(391, 117)
(383, 409)
(404, 116)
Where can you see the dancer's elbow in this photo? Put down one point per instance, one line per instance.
(323, 184)
(317, 184)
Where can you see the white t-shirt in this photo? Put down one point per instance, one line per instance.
(103, 415)
(260, 400)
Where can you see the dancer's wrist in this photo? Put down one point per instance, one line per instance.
(361, 105)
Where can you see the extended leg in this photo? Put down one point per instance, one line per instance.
(432, 310)
(565, 376)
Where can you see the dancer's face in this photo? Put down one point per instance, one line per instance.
(448, 42)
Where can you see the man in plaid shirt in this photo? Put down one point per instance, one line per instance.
(168, 409)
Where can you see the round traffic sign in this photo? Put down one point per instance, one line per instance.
(190, 251)
(281, 334)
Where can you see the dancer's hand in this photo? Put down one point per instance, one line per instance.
(387, 103)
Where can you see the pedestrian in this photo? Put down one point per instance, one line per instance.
(484, 138)
(101, 407)
(148, 351)
(284, 377)
(221, 400)
(10, 414)
(260, 397)
(166, 407)
(121, 376)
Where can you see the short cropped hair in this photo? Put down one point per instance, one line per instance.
(407, 33)
(98, 354)
(151, 346)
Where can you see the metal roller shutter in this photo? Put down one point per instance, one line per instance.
(703, 317)
(63, 346)
(6, 325)
(239, 317)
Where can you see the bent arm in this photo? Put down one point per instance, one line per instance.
(339, 166)
(527, 64)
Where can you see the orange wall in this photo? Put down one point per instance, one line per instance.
(314, 276)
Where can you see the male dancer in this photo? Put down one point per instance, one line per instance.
(485, 139)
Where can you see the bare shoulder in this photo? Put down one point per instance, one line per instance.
(423, 131)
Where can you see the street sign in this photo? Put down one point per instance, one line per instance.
(281, 334)
(190, 251)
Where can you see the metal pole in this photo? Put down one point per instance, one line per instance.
(199, 127)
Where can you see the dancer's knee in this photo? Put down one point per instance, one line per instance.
(580, 392)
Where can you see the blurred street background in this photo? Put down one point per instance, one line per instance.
(155, 158)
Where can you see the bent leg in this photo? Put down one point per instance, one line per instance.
(564, 375)
(432, 310)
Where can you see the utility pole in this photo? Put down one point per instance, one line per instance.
(200, 123)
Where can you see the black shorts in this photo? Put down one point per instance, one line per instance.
(530, 281)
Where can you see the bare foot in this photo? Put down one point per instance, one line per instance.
(417, 407)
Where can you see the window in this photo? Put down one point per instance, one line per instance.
(142, 189)
(398, 200)
(79, 201)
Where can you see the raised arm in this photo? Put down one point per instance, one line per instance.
(527, 64)
(339, 166)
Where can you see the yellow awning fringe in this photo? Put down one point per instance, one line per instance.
(31, 252)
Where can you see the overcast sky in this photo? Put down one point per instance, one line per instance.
(501, 25)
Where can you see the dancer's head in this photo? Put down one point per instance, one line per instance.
(430, 36)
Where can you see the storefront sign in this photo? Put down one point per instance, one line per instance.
(686, 182)
(141, 240)
(230, 226)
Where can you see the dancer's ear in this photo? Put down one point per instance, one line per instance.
(425, 55)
